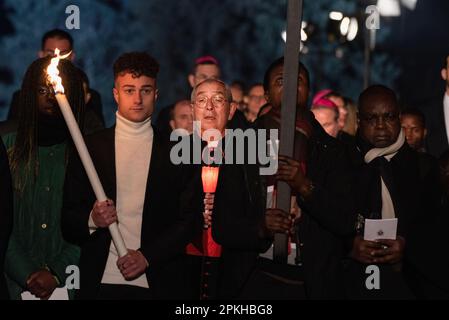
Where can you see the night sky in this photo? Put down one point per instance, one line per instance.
(244, 35)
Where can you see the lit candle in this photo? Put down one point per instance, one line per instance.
(66, 110)
(209, 176)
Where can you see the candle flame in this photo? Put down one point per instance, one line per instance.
(53, 72)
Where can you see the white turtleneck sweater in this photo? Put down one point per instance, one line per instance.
(133, 148)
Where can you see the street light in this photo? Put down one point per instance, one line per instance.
(349, 28)
(335, 15)
(389, 8)
(392, 8)
(353, 29)
(304, 36)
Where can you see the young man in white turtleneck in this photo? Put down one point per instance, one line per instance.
(147, 188)
(135, 97)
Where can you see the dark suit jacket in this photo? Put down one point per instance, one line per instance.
(422, 221)
(328, 215)
(6, 215)
(238, 121)
(239, 210)
(436, 141)
(171, 214)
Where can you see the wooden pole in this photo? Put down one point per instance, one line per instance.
(288, 114)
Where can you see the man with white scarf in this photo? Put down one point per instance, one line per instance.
(394, 181)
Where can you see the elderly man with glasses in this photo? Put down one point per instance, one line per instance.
(223, 256)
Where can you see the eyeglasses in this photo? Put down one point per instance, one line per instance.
(218, 101)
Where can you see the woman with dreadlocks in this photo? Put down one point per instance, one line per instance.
(37, 255)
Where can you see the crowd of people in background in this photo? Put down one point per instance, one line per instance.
(353, 161)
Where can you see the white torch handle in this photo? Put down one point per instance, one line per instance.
(89, 167)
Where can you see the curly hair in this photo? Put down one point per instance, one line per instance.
(136, 63)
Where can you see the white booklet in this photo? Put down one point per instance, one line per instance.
(380, 229)
(58, 294)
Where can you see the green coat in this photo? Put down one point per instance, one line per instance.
(36, 241)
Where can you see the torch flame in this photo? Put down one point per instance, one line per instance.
(53, 72)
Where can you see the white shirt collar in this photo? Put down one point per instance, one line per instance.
(446, 113)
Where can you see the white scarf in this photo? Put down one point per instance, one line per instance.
(388, 153)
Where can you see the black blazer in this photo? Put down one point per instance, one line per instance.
(436, 141)
(328, 216)
(422, 221)
(6, 215)
(239, 210)
(171, 214)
